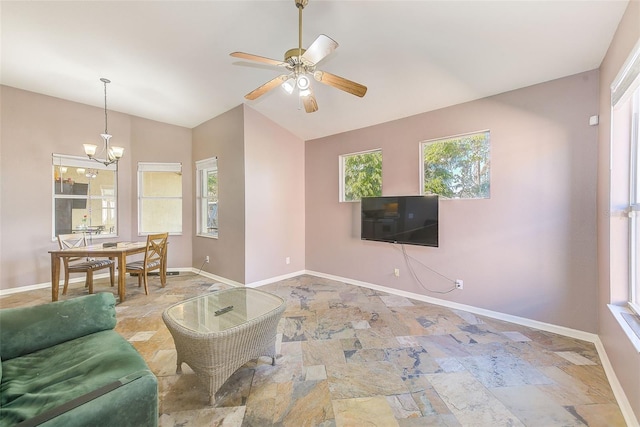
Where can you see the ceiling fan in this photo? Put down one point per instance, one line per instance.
(301, 65)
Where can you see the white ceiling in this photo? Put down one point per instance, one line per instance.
(169, 60)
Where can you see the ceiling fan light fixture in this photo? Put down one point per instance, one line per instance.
(301, 66)
(289, 85)
(303, 82)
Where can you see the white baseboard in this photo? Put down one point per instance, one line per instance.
(47, 285)
(216, 277)
(275, 279)
(618, 391)
(623, 402)
(561, 330)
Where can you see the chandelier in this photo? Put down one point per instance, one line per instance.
(112, 154)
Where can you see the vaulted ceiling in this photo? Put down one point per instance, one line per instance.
(169, 60)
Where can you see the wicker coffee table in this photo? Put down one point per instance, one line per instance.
(217, 333)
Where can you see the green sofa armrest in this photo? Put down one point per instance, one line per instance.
(27, 329)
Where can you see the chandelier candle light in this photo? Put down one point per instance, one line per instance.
(112, 154)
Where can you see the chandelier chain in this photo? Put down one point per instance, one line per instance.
(105, 105)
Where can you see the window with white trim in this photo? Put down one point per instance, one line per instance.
(625, 166)
(159, 198)
(84, 197)
(207, 197)
(360, 175)
(634, 209)
(457, 167)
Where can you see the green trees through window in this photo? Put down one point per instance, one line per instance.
(361, 175)
(207, 197)
(457, 167)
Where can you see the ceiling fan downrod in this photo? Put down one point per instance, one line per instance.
(300, 4)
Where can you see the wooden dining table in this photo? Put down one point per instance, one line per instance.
(119, 252)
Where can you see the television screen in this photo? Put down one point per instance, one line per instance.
(402, 219)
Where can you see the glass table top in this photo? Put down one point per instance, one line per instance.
(222, 310)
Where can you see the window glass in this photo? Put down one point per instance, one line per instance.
(159, 198)
(457, 167)
(207, 197)
(360, 175)
(84, 197)
(634, 209)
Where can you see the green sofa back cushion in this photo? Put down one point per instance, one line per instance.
(27, 329)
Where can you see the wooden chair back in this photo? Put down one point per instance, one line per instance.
(155, 258)
(69, 241)
(156, 249)
(86, 265)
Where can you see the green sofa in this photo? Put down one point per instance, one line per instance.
(64, 365)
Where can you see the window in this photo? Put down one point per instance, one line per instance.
(457, 167)
(207, 197)
(634, 202)
(159, 198)
(360, 175)
(625, 183)
(84, 197)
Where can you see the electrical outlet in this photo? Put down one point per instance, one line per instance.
(459, 284)
(287, 260)
(396, 272)
(206, 259)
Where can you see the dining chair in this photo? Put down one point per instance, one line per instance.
(82, 264)
(155, 258)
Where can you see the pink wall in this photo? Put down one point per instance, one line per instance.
(33, 127)
(223, 137)
(274, 196)
(612, 240)
(160, 142)
(529, 250)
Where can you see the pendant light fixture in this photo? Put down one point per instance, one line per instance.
(112, 154)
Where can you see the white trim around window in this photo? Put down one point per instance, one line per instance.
(166, 207)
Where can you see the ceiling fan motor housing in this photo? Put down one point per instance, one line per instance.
(293, 54)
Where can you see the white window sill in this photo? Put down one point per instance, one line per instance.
(208, 236)
(629, 322)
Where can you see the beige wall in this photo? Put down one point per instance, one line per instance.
(159, 142)
(261, 197)
(612, 229)
(34, 126)
(274, 195)
(529, 250)
(223, 137)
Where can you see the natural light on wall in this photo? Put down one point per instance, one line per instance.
(159, 198)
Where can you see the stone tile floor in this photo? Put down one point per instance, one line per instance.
(351, 356)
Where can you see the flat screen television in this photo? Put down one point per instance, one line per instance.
(411, 220)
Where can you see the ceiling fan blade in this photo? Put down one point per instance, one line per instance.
(266, 87)
(309, 101)
(257, 58)
(340, 83)
(319, 49)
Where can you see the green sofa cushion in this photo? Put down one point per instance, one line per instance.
(45, 379)
(27, 329)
